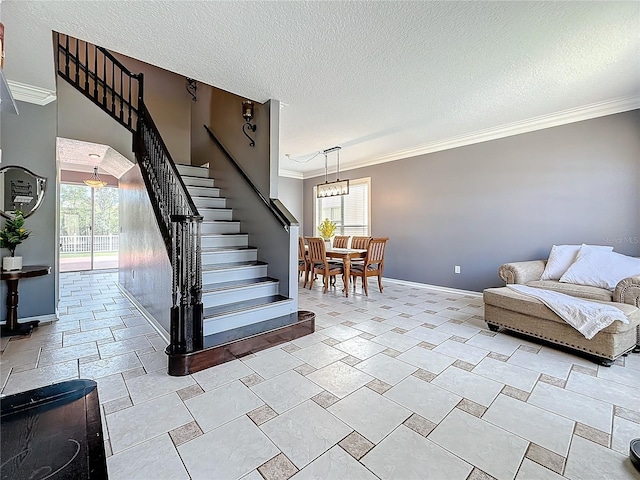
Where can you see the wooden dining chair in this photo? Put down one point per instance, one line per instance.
(303, 261)
(319, 264)
(360, 243)
(373, 264)
(340, 241)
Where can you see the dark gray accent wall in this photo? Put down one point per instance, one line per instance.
(510, 199)
(145, 270)
(29, 140)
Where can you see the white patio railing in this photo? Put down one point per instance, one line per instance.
(82, 243)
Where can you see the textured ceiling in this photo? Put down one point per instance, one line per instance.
(376, 78)
(73, 155)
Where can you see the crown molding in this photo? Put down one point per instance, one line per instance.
(556, 119)
(291, 174)
(31, 94)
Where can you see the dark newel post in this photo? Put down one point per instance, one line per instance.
(140, 90)
(174, 346)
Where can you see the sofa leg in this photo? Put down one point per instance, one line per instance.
(605, 362)
(492, 327)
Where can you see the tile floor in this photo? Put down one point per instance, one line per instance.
(408, 384)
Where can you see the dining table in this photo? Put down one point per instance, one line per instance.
(346, 255)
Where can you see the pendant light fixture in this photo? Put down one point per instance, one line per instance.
(94, 181)
(337, 187)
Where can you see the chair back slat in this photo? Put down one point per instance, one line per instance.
(360, 243)
(340, 241)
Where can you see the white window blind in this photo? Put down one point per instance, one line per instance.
(349, 212)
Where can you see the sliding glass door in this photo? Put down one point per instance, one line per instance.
(88, 228)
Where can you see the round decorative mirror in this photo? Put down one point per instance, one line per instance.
(20, 189)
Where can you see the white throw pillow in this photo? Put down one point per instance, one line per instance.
(599, 268)
(561, 258)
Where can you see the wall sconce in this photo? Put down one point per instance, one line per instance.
(338, 187)
(192, 88)
(247, 113)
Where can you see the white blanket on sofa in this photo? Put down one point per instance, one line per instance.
(585, 316)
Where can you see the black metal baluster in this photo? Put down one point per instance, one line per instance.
(86, 70)
(66, 56)
(77, 66)
(113, 83)
(129, 103)
(104, 83)
(95, 73)
(121, 94)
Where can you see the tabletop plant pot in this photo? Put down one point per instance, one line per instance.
(11, 263)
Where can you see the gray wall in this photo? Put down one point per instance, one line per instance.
(29, 140)
(291, 194)
(145, 270)
(505, 200)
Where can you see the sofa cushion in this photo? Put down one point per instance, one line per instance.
(508, 299)
(580, 291)
(601, 269)
(562, 256)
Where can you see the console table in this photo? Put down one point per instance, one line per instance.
(12, 327)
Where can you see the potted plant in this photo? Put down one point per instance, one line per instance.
(11, 236)
(327, 230)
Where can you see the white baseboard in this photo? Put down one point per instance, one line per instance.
(434, 287)
(154, 323)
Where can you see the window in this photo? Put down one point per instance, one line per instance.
(349, 212)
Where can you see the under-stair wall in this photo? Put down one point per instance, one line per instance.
(145, 270)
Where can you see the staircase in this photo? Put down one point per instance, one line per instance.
(224, 304)
(236, 290)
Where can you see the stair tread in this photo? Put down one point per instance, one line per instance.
(220, 221)
(226, 249)
(207, 196)
(213, 287)
(224, 234)
(194, 176)
(232, 265)
(220, 310)
(234, 334)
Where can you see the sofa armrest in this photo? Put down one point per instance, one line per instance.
(522, 272)
(628, 291)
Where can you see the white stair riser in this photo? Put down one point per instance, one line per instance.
(209, 258)
(193, 171)
(247, 317)
(210, 202)
(232, 295)
(221, 227)
(218, 214)
(225, 241)
(198, 182)
(203, 191)
(229, 275)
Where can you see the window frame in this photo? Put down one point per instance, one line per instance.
(356, 181)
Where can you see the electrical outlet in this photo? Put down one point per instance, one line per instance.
(456, 269)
